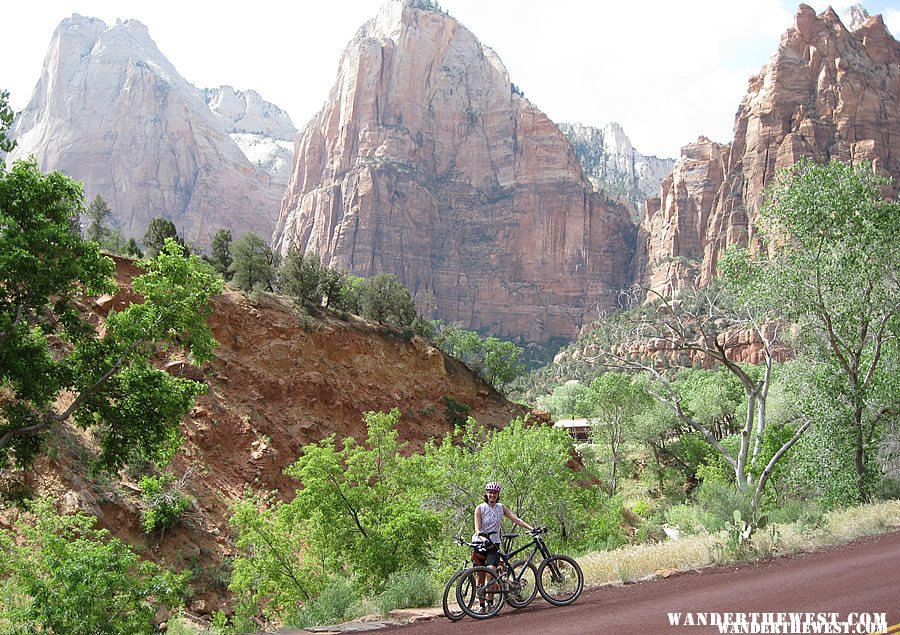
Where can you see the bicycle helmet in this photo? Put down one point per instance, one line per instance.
(493, 486)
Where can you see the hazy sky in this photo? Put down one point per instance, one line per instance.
(667, 71)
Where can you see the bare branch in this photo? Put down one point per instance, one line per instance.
(12, 327)
(767, 472)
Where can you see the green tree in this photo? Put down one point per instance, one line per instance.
(502, 362)
(353, 501)
(833, 266)
(331, 284)
(60, 575)
(496, 361)
(220, 253)
(715, 398)
(275, 566)
(705, 323)
(158, 231)
(348, 298)
(384, 299)
(98, 215)
(253, 267)
(45, 269)
(132, 249)
(533, 464)
(6, 119)
(614, 402)
(562, 403)
(300, 275)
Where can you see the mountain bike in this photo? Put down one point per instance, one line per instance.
(521, 575)
(455, 598)
(558, 579)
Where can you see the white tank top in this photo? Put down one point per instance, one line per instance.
(491, 518)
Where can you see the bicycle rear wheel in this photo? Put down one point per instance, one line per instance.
(522, 590)
(560, 580)
(489, 595)
(452, 608)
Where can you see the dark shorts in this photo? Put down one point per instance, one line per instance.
(487, 558)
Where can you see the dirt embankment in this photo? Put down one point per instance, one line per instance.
(279, 380)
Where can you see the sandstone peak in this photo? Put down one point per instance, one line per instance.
(246, 111)
(855, 16)
(424, 162)
(611, 163)
(112, 111)
(827, 93)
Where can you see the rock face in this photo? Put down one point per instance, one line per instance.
(674, 228)
(611, 163)
(110, 110)
(262, 130)
(828, 93)
(426, 163)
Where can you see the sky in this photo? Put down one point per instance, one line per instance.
(666, 71)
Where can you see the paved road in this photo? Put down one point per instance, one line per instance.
(857, 578)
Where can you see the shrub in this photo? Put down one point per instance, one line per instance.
(455, 413)
(693, 519)
(411, 588)
(60, 575)
(163, 501)
(384, 299)
(331, 606)
(721, 500)
(809, 513)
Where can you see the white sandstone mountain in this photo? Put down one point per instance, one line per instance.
(110, 110)
(262, 130)
(611, 162)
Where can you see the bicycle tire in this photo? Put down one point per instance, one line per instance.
(560, 580)
(448, 604)
(494, 599)
(519, 599)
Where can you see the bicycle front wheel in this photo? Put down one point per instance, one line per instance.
(522, 583)
(488, 592)
(452, 608)
(560, 580)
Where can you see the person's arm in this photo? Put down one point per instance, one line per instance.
(515, 519)
(478, 520)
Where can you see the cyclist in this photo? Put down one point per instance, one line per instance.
(488, 517)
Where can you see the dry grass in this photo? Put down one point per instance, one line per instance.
(641, 562)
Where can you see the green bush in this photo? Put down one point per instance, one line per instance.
(692, 519)
(60, 575)
(332, 606)
(411, 588)
(455, 413)
(809, 513)
(604, 530)
(721, 500)
(163, 501)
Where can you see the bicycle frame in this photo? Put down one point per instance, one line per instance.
(537, 545)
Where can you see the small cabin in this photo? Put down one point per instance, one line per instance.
(578, 429)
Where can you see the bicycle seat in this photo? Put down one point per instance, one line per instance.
(486, 534)
(505, 536)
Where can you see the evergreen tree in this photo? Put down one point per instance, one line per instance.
(132, 249)
(98, 215)
(220, 257)
(253, 267)
(385, 299)
(158, 231)
(300, 276)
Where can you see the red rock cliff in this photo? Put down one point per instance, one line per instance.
(828, 93)
(426, 163)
